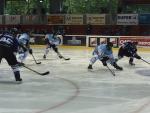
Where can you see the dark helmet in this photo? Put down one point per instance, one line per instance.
(135, 43)
(110, 44)
(14, 31)
(54, 33)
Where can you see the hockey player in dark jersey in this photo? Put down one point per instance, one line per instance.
(8, 47)
(128, 49)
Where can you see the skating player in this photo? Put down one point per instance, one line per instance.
(52, 41)
(23, 40)
(128, 49)
(8, 48)
(103, 52)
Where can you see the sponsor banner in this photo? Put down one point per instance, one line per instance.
(30, 19)
(94, 41)
(102, 40)
(142, 41)
(40, 39)
(12, 19)
(96, 19)
(1, 19)
(127, 19)
(74, 40)
(74, 19)
(55, 19)
(37, 39)
(144, 19)
(114, 41)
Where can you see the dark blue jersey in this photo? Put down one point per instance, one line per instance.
(8, 40)
(130, 47)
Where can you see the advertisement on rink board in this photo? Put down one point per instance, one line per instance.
(74, 19)
(74, 40)
(39, 39)
(94, 41)
(55, 19)
(127, 19)
(95, 19)
(142, 41)
(144, 19)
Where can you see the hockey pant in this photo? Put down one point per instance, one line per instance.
(8, 54)
(109, 59)
(22, 56)
(53, 47)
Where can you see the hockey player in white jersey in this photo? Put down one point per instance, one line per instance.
(52, 41)
(103, 52)
(24, 41)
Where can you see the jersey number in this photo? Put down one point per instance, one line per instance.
(6, 40)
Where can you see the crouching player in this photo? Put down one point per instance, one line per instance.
(103, 52)
(128, 49)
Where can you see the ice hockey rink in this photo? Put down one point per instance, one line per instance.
(72, 88)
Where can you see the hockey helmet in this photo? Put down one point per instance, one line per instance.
(110, 44)
(14, 31)
(135, 43)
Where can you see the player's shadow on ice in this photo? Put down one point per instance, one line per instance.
(45, 59)
(8, 82)
(127, 66)
(143, 72)
(100, 70)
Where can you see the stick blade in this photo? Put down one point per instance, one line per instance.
(67, 58)
(38, 63)
(45, 73)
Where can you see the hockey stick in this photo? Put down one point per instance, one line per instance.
(145, 61)
(112, 72)
(35, 60)
(45, 73)
(66, 58)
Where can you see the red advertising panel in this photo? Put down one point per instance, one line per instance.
(55, 19)
(142, 41)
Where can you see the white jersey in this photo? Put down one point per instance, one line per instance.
(24, 41)
(102, 51)
(53, 39)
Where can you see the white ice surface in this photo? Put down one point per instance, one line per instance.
(71, 88)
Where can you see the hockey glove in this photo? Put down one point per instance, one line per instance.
(21, 64)
(104, 61)
(30, 51)
(137, 56)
